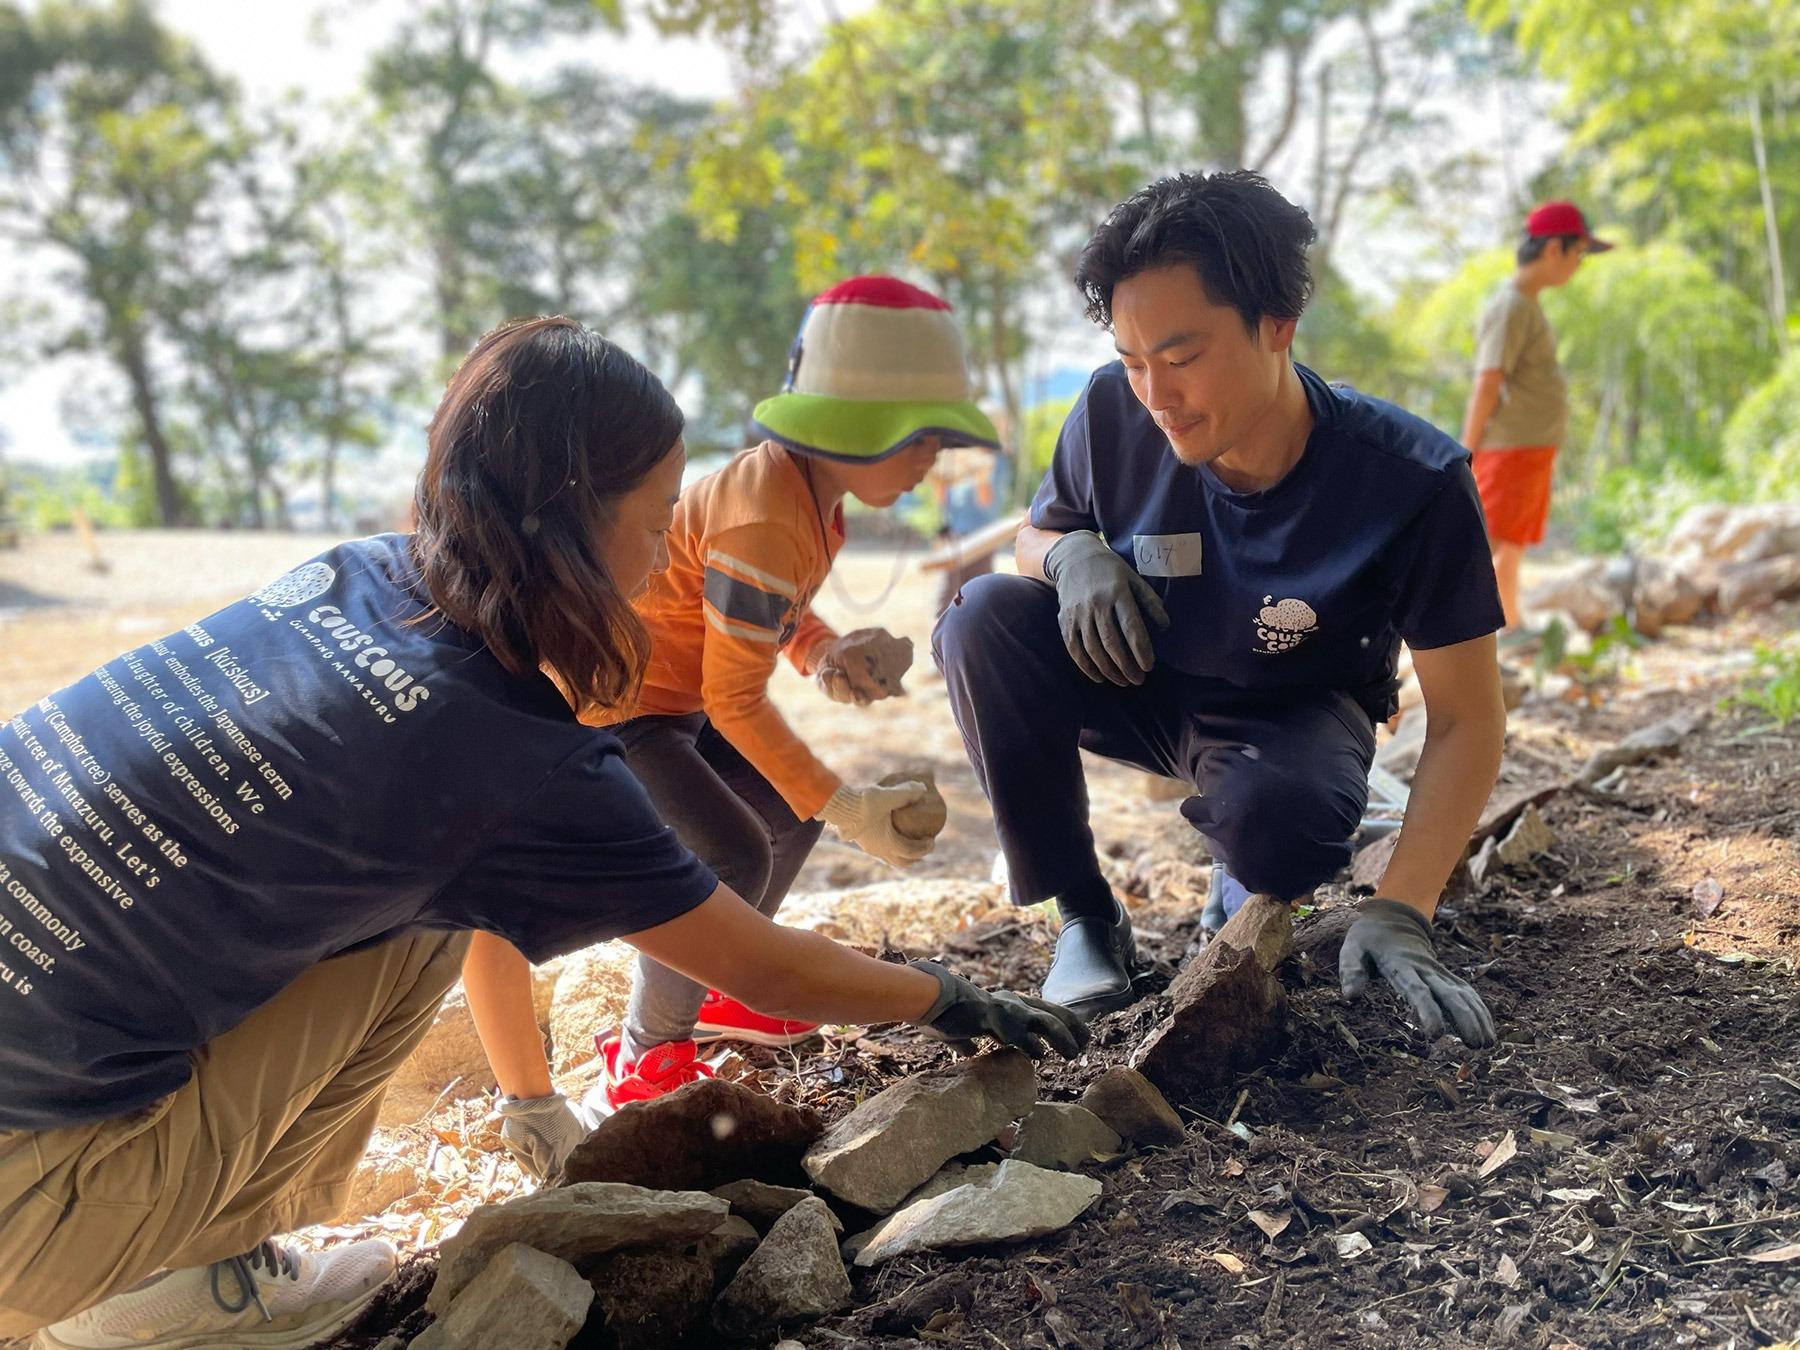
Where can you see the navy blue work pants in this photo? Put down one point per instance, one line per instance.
(1280, 777)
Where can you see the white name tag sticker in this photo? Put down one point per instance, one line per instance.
(1167, 555)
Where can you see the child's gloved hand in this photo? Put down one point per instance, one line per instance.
(964, 1011)
(865, 817)
(541, 1132)
(864, 666)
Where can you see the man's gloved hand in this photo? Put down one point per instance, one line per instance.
(964, 1011)
(1102, 605)
(1394, 940)
(864, 666)
(541, 1132)
(865, 817)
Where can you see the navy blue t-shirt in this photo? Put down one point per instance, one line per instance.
(317, 768)
(1373, 537)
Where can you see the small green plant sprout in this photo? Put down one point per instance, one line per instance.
(1772, 687)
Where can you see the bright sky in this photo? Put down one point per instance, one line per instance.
(322, 45)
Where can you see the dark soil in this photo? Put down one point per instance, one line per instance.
(1647, 1083)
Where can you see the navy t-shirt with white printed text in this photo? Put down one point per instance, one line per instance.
(320, 767)
(1373, 537)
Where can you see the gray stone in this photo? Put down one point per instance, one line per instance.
(796, 1272)
(949, 1177)
(1130, 1103)
(762, 1203)
(887, 1147)
(645, 1299)
(572, 1222)
(1019, 1201)
(727, 1246)
(523, 1299)
(1064, 1136)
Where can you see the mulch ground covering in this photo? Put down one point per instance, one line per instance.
(1622, 1170)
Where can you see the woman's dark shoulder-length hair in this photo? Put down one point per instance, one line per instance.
(542, 428)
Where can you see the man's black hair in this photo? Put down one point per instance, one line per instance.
(1247, 242)
(1532, 246)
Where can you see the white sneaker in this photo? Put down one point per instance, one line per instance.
(272, 1296)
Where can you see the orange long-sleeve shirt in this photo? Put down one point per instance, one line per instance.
(747, 552)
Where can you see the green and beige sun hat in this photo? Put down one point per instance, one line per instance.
(877, 364)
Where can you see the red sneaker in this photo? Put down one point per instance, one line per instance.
(661, 1069)
(725, 1019)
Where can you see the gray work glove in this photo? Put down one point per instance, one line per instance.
(541, 1132)
(1101, 606)
(1393, 940)
(964, 1011)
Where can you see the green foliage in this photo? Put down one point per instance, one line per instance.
(1762, 439)
(1043, 423)
(1774, 686)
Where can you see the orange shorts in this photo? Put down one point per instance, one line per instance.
(1515, 491)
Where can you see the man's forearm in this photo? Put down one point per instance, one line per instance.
(1456, 774)
(1483, 399)
(1029, 547)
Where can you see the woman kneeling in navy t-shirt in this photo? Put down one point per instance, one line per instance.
(239, 866)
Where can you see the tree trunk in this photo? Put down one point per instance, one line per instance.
(998, 331)
(1771, 230)
(128, 347)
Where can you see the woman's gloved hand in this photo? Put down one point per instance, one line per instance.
(964, 1011)
(865, 817)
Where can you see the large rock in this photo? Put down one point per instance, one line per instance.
(895, 1140)
(1665, 595)
(523, 1299)
(1529, 837)
(451, 1053)
(1580, 591)
(1019, 1201)
(1738, 533)
(1064, 1136)
(727, 1246)
(695, 1138)
(762, 1203)
(573, 1222)
(949, 1177)
(1756, 585)
(645, 1299)
(1230, 1011)
(1130, 1103)
(796, 1272)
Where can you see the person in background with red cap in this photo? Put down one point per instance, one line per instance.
(1519, 409)
(877, 385)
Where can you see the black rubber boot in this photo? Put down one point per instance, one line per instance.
(1094, 964)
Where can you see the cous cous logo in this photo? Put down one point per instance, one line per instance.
(306, 582)
(1284, 626)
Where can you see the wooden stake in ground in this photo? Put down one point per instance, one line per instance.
(1230, 1010)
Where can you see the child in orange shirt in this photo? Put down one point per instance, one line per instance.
(877, 386)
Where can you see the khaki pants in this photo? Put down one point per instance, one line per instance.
(261, 1140)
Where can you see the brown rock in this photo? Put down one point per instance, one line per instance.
(1230, 1011)
(925, 818)
(1756, 585)
(1130, 1103)
(701, 1136)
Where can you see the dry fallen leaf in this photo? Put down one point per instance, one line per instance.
(1234, 1167)
(1501, 1154)
(1554, 1139)
(1352, 1245)
(1575, 1193)
(1431, 1199)
(1506, 1271)
(1230, 1262)
(1273, 1225)
(1788, 1252)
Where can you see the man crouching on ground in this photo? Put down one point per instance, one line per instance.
(1217, 574)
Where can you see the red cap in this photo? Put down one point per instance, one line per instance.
(1554, 218)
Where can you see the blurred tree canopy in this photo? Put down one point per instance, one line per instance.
(268, 293)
